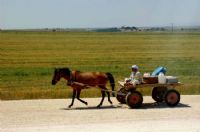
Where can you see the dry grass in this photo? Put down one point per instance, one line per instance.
(28, 59)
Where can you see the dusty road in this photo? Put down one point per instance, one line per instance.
(54, 116)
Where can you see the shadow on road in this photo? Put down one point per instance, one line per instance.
(154, 105)
(93, 108)
(161, 105)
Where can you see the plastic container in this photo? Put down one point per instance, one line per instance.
(171, 79)
(162, 78)
(158, 70)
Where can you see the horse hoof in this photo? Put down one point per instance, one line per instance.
(86, 103)
(111, 102)
(69, 106)
(98, 106)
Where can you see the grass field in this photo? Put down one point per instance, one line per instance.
(29, 58)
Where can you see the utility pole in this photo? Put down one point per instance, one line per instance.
(172, 27)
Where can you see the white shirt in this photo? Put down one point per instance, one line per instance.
(136, 76)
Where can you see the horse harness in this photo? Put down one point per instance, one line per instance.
(72, 77)
(73, 82)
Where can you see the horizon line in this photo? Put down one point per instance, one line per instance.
(36, 28)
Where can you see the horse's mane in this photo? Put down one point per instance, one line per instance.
(66, 71)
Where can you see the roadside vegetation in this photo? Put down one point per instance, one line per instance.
(28, 59)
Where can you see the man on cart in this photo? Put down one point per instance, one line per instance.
(135, 78)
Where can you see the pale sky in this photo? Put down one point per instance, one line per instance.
(16, 14)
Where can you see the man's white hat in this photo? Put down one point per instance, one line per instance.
(135, 67)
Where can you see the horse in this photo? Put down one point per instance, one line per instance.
(80, 80)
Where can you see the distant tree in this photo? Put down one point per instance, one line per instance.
(129, 28)
(134, 28)
(108, 30)
(162, 29)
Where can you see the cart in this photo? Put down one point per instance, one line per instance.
(160, 93)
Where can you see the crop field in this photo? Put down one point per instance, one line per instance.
(28, 59)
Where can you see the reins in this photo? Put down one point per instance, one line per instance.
(85, 86)
(74, 83)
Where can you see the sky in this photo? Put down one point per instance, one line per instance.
(22, 14)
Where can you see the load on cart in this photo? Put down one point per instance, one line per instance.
(163, 87)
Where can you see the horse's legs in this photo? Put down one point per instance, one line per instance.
(109, 97)
(78, 97)
(103, 96)
(73, 97)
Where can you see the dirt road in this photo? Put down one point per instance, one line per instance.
(53, 115)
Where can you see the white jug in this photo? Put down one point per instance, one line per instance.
(161, 78)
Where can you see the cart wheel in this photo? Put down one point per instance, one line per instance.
(134, 99)
(121, 95)
(158, 93)
(172, 97)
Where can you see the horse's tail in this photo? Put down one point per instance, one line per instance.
(112, 81)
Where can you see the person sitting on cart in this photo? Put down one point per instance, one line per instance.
(135, 77)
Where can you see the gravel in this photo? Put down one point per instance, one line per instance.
(52, 115)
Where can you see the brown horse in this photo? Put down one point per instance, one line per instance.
(80, 80)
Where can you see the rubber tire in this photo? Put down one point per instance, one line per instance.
(158, 93)
(131, 97)
(167, 97)
(121, 98)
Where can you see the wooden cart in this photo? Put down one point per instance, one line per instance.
(160, 93)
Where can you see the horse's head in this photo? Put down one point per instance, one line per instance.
(56, 76)
(59, 73)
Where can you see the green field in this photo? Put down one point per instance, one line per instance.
(28, 59)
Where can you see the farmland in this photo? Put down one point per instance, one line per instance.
(28, 59)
